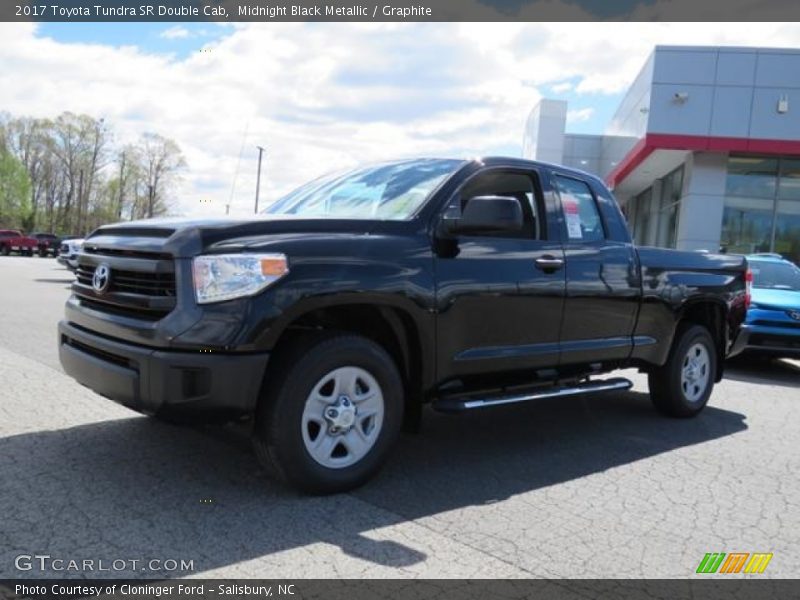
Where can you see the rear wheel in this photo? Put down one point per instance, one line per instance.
(331, 414)
(5, 250)
(682, 387)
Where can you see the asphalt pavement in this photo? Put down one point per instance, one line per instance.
(585, 487)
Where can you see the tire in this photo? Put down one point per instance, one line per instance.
(308, 431)
(681, 388)
(43, 253)
(5, 251)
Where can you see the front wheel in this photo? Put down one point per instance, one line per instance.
(682, 386)
(328, 419)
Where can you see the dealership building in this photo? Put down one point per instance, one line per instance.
(703, 152)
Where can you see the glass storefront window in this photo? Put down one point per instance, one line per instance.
(762, 206)
(654, 217)
(751, 177)
(671, 189)
(789, 188)
(787, 230)
(642, 207)
(787, 223)
(746, 225)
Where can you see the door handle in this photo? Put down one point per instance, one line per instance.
(549, 263)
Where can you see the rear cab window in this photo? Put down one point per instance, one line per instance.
(582, 221)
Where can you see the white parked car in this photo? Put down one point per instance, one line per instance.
(68, 253)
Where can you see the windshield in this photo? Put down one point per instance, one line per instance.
(390, 191)
(775, 275)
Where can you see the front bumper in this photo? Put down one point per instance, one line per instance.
(767, 340)
(68, 260)
(161, 381)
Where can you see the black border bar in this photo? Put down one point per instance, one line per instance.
(705, 587)
(395, 10)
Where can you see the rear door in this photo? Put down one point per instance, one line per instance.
(500, 298)
(602, 279)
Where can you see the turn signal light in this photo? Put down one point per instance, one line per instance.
(274, 267)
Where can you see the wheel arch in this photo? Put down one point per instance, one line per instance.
(710, 314)
(393, 327)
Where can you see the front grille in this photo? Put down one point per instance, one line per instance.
(134, 282)
(140, 284)
(121, 311)
(131, 253)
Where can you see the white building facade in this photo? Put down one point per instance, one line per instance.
(703, 152)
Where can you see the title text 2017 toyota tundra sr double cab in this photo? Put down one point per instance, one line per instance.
(352, 301)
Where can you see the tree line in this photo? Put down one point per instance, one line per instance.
(66, 175)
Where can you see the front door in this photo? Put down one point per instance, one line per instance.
(500, 298)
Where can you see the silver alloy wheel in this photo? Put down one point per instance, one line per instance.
(695, 372)
(342, 418)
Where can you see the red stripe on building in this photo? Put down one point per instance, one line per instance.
(664, 141)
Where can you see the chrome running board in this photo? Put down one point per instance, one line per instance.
(458, 404)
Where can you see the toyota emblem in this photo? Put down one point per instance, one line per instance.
(101, 278)
(795, 314)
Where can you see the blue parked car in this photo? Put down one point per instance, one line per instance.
(773, 320)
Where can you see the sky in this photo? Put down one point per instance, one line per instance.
(326, 96)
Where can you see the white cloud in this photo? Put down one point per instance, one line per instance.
(174, 33)
(561, 87)
(580, 115)
(324, 96)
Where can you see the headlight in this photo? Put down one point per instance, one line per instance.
(219, 277)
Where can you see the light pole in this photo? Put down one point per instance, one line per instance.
(258, 178)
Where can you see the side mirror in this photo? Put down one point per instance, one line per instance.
(486, 215)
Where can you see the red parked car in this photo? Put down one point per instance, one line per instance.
(12, 240)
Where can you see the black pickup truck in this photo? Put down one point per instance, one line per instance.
(333, 317)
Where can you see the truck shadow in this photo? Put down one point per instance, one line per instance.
(137, 488)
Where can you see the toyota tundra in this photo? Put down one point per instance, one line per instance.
(332, 318)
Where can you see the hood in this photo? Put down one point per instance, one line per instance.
(185, 237)
(256, 222)
(780, 299)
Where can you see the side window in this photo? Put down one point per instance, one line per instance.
(516, 185)
(581, 215)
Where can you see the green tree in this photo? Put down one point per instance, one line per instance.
(161, 161)
(78, 179)
(15, 191)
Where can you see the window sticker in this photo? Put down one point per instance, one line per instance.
(572, 215)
